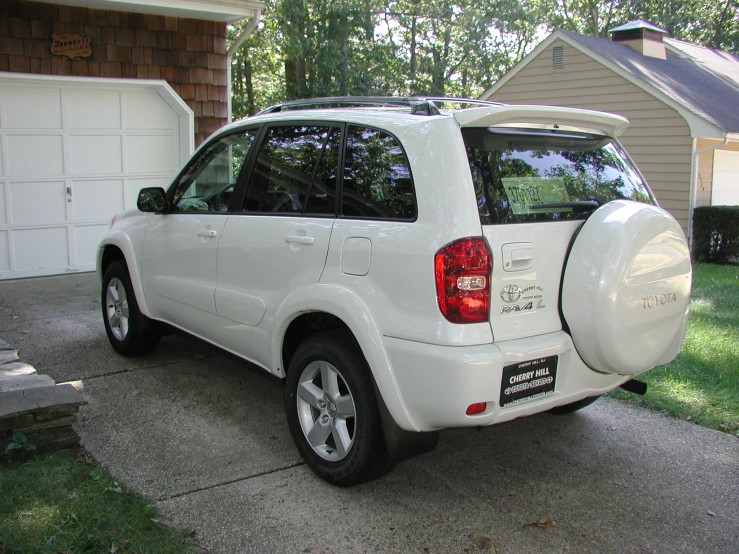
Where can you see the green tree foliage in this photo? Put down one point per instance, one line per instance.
(313, 48)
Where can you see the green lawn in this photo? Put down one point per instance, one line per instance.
(702, 384)
(57, 504)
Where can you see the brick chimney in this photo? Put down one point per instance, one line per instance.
(643, 37)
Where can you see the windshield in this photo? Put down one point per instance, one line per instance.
(525, 175)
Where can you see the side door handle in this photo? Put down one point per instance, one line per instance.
(300, 239)
(208, 233)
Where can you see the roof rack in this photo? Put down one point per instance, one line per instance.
(425, 105)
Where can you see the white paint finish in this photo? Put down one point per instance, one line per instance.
(35, 155)
(725, 178)
(151, 154)
(31, 108)
(38, 203)
(626, 287)
(91, 198)
(179, 270)
(146, 110)
(95, 154)
(41, 249)
(70, 131)
(86, 240)
(4, 254)
(93, 109)
(258, 270)
(356, 256)
(229, 11)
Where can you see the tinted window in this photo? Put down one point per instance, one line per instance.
(293, 163)
(525, 176)
(377, 177)
(207, 184)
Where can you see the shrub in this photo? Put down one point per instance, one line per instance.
(716, 234)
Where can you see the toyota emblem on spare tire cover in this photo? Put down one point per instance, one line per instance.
(510, 293)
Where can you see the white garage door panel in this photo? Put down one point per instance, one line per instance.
(93, 197)
(32, 108)
(93, 109)
(145, 111)
(3, 217)
(73, 153)
(150, 154)
(34, 155)
(4, 257)
(96, 154)
(38, 203)
(87, 239)
(29, 256)
(725, 178)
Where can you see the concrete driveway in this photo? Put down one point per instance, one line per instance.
(204, 436)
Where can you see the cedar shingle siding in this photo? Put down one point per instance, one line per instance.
(189, 54)
(658, 138)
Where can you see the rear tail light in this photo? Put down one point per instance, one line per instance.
(462, 269)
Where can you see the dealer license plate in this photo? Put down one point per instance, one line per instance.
(528, 380)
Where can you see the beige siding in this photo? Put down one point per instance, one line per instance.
(658, 138)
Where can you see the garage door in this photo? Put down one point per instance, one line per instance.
(725, 178)
(74, 152)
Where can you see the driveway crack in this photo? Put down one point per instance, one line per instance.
(230, 481)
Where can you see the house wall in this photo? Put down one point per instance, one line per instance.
(189, 54)
(658, 138)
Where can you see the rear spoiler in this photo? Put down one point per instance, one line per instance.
(543, 117)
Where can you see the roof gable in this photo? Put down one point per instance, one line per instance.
(700, 83)
(704, 81)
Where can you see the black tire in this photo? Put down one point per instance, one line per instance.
(140, 335)
(366, 458)
(574, 406)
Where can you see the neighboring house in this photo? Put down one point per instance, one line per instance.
(99, 98)
(680, 99)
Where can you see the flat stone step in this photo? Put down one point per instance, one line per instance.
(22, 382)
(7, 356)
(16, 369)
(44, 402)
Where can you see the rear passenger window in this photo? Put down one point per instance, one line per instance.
(294, 171)
(377, 177)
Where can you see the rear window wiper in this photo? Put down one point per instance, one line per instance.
(577, 206)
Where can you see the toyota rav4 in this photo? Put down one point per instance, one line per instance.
(407, 265)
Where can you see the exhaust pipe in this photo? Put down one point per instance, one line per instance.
(637, 387)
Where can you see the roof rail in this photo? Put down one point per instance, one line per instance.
(419, 105)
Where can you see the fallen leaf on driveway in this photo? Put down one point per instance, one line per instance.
(548, 522)
(486, 543)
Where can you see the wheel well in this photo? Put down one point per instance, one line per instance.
(304, 326)
(111, 254)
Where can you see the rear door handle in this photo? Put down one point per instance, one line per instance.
(208, 233)
(300, 239)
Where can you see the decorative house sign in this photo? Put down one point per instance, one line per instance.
(72, 46)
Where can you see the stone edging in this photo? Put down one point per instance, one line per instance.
(35, 405)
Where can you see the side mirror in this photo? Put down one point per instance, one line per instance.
(152, 199)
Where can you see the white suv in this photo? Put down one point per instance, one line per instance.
(407, 268)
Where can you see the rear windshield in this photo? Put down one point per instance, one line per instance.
(525, 175)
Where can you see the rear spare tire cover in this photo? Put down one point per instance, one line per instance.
(626, 287)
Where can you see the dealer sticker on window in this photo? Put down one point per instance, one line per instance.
(528, 380)
(525, 193)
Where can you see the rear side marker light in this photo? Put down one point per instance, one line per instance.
(462, 269)
(477, 408)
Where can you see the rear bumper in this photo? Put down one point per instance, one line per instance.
(438, 383)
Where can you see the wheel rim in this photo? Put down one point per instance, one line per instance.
(326, 411)
(116, 309)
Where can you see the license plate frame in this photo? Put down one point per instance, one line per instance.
(528, 380)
